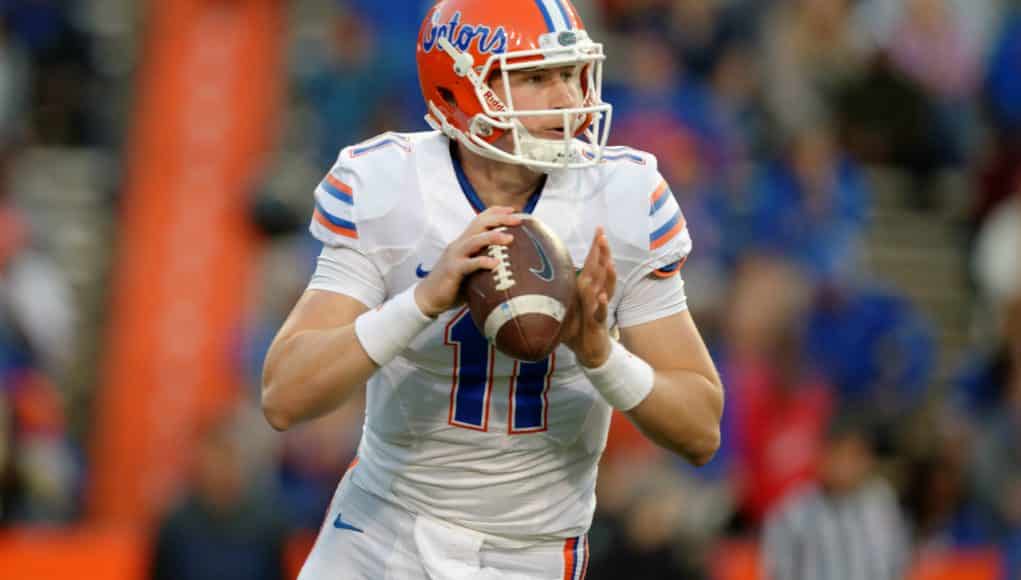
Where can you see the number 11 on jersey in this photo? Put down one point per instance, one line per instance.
(472, 385)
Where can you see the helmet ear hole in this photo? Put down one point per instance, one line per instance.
(448, 96)
(445, 102)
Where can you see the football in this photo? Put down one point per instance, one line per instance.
(520, 305)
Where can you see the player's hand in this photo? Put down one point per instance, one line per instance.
(440, 290)
(585, 330)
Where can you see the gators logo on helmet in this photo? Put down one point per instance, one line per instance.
(463, 43)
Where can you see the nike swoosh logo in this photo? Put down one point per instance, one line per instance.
(420, 272)
(340, 524)
(546, 272)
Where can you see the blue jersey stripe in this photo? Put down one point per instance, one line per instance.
(336, 220)
(665, 228)
(671, 268)
(373, 147)
(574, 567)
(563, 11)
(662, 200)
(615, 156)
(618, 157)
(336, 193)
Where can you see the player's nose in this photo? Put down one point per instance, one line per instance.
(564, 94)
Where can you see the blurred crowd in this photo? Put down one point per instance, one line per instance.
(846, 439)
(46, 75)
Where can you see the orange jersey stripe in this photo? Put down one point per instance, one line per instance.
(338, 184)
(334, 228)
(660, 192)
(661, 274)
(669, 235)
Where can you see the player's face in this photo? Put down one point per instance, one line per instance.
(551, 88)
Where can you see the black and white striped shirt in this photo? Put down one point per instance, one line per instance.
(816, 536)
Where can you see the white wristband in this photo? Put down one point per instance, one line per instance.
(624, 380)
(387, 330)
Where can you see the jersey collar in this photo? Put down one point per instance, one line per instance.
(473, 197)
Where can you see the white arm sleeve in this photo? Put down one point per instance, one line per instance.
(651, 298)
(347, 271)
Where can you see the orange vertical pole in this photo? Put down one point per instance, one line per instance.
(208, 97)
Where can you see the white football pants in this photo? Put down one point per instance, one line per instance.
(364, 537)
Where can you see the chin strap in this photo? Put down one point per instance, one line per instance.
(546, 150)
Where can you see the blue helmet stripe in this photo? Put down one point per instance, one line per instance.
(546, 14)
(566, 15)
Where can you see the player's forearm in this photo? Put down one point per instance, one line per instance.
(312, 373)
(682, 413)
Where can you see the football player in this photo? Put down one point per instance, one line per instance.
(472, 464)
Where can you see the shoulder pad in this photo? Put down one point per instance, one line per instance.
(357, 202)
(646, 218)
(379, 166)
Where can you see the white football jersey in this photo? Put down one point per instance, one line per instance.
(453, 428)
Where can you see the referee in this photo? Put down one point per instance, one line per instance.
(847, 526)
